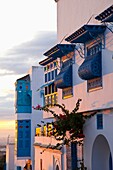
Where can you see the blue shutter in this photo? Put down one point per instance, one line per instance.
(24, 138)
(23, 100)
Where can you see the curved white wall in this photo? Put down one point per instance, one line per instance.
(91, 137)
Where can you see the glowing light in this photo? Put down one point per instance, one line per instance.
(7, 124)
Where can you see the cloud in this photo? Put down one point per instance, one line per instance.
(7, 107)
(16, 62)
(19, 59)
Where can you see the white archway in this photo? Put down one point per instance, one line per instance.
(101, 155)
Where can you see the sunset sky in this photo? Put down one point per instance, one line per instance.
(27, 30)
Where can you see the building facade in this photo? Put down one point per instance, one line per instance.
(26, 118)
(10, 154)
(84, 56)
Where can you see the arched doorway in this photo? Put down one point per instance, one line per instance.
(57, 167)
(101, 155)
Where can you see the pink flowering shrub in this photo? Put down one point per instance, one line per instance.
(71, 122)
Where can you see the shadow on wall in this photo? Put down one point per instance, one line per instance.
(105, 105)
(100, 153)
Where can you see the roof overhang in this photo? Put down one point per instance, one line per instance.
(106, 16)
(86, 33)
(25, 78)
(45, 85)
(57, 51)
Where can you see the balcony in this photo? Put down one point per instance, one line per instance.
(64, 78)
(46, 142)
(91, 67)
(57, 51)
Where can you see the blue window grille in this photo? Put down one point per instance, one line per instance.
(18, 167)
(99, 121)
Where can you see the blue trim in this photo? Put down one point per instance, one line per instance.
(99, 121)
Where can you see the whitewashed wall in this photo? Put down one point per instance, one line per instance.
(10, 156)
(71, 16)
(50, 157)
(91, 133)
(37, 80)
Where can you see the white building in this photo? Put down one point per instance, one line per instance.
(10, 154)
(26, 118)
(84, 56)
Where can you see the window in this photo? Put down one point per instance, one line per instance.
(55, 72)
(74, 155)
(49, 78)
(55, 64)
(40, 164)
(52, 88)
(44, 68)
(57, 167)
(67, 92)
(95, 52)
(94, 49)
(49, 88)
(45, 78)
(52, 75)
(18, 167)
(99, 121)
(45, 90)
